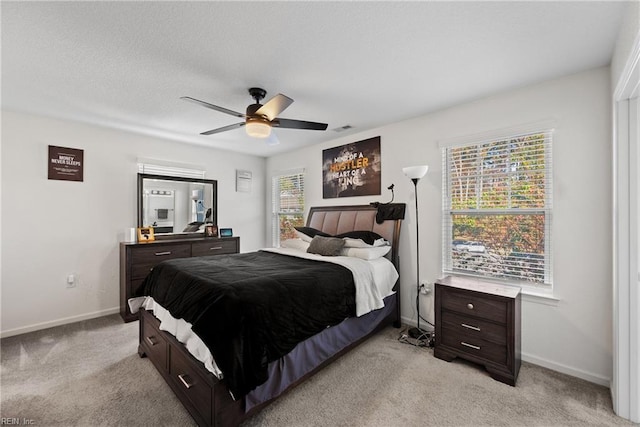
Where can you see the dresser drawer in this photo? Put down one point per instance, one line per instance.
(467, 303)
(467, 342)
(191, 384)
(154, 343)
(475, 328)
(154, 254)
(214, 247)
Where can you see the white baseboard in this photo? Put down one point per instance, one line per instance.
(64, 321)
(554, 366)
(564, 369)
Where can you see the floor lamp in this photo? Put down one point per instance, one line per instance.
(415, 173)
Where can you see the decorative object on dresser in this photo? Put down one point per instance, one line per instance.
(145, 234)
(480, 322)
(415, 173)
(138, 259)
(211, 230)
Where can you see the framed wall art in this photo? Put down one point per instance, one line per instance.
(66, 164)
(352, 169)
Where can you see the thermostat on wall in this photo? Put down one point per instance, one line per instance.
(226, 232)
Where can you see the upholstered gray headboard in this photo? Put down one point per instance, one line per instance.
(340, 219)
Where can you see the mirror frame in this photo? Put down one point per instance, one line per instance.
(214, 198)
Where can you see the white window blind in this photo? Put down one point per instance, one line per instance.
(169, 170)
(287, 198)
(497, 203)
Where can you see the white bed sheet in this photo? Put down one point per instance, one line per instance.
(379, 272)
(179, 328)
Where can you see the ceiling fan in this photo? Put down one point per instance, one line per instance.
(259, 119)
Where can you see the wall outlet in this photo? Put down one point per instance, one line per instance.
(71, 281)
(425, 288)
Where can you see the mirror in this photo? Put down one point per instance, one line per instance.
(175, 205)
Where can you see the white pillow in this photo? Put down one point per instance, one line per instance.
(297, 244)
(359, 243)
(367, 253)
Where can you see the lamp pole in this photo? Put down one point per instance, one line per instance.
(414, 173)
(415, 185)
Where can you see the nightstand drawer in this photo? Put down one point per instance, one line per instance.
(475, 328)
(154, 254)
(215, 247)
(469, 304)
(466, 342)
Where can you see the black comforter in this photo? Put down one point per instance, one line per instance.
(252, 308)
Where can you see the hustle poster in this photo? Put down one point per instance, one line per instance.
(352, 169)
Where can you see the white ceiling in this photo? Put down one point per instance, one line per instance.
(126, 64)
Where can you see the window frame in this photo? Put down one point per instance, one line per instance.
(448, 212)
(276, 211)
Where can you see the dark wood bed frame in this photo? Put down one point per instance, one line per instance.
(206, 397)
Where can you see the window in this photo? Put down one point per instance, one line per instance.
(497, 208)
(287, 205)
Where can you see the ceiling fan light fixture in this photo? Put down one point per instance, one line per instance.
(258, 128)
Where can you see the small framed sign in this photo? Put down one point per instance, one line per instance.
(66, 164)
(243, 181)
(145, 234)
(226, 232)
(211, 230)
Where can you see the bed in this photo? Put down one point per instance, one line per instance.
(287, 355)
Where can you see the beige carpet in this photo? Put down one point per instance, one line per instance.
(89, 374)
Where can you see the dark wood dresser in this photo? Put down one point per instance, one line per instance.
(138, 259)
(480, 322)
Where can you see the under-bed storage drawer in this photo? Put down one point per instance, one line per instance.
(154, 344)
(191, 384)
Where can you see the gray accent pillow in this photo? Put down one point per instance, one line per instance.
(327, 246)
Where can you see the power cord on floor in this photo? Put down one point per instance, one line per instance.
(417, 337)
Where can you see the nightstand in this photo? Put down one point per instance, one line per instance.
(480, 322)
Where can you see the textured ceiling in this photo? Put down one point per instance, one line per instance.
(126, 64)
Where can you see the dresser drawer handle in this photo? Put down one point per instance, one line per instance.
(151, 341)
(470, 306)
(475, 347)
(184, 379)
(215, 248)
(475, 328)
(163, 253)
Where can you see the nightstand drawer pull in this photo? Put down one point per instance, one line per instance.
(470, 306)
(475, 328)
(475, 347)
(215, 248)
(151, 341)
(163, 253)
(183, 378)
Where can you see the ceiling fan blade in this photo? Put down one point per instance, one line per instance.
(298, 124)
(213, 107)
(274, 106)
(224, 128)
